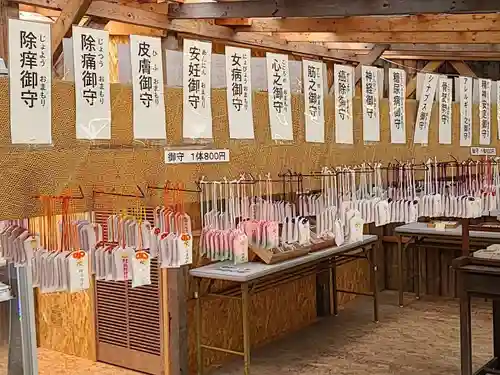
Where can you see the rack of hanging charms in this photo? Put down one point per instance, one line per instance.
(461, 190)
(172, 236)
(17, 243)
(123, 252)
(243, 217)
(399, 196)
(339, 209)
(352, 196)
(61, 254)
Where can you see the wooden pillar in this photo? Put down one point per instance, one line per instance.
(177, 318)
(7, 10)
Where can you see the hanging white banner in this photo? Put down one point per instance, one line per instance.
(280, 103)
(397, 110)
(484, 111)
(423, 120)
(147, 84)
(371, 108)
(314, 100)
(91, 59)
(445, 103)
(196, 83)
(239, 92)
(30, 70)
(343, 91)
(465, 87)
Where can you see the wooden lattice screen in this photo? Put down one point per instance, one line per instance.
(128, 320)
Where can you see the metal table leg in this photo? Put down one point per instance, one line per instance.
(419, 271)
(400, 271)
(245, 303)
(333, 288)
(199, 349)
(373, 271)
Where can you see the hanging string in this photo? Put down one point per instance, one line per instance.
(424, 71)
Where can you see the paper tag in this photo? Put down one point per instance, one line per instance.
(196, 156)
(141, 269)
(78, 268)
(185, 248)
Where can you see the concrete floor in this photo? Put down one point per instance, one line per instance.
(421, 338)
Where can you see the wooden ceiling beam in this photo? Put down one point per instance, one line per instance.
(411, 23)
(436, 55)
(396, 37)
(125, 29)
(234, 22)
(71, 13)
(326, 8)
(431, 67)
(203, 30)
(369, 59)
(462, 68)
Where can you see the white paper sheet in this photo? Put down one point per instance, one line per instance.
(314, 100)
(397, 110)
(93, 108)
(371, 107)
(445, 110)
(30, 71)
(343, 91)
(147, 84)
(422, 123)
(280, 105)
(196, 77)
(465, 88)
(484, 111)
(239, 92)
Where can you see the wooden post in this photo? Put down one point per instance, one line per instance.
(7, 10)
(465, 237)
(177, 316)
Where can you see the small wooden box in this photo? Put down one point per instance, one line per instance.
(447, 224)
(273, 257)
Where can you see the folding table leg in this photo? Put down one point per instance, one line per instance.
(245, 303)
(400, 272)
(373, 271)
(199, 349)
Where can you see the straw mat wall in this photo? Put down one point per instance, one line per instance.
(71, 163)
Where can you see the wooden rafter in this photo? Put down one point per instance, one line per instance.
(431, 66)
(326, 8)
(71, 13)
(427, 55)
(462, 68)
(138, 16)
(424, 37)
(234, 22)
(369, 59)
(412, 23)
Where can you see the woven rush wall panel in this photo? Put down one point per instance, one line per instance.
(72, 163)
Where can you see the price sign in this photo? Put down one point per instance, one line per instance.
(483, 151)
(196, 156)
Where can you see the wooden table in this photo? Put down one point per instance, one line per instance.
(449, 239)
(254, 277)
(478, 278)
